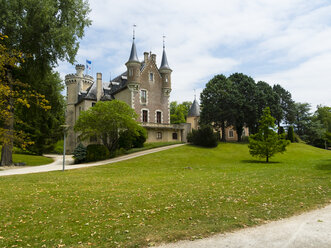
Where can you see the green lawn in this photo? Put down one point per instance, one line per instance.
(182, 193)
(30, 160)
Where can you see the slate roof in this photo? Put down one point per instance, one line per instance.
(164, 61)
(133, 53)
(194, 110)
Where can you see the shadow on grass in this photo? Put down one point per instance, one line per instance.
(252, 161)
(324, 165)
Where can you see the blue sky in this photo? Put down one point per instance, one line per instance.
(286, 42)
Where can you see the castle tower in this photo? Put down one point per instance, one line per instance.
(193, 115)
(76, 83)
(165, 72)
(133, 68)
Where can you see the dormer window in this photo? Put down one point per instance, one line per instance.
(151, 77)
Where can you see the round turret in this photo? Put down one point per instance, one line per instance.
(80, 70)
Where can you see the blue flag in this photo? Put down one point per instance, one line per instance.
(88, 64)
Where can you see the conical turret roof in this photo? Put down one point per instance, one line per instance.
(194, 110)
(164, 61)
(133, 54)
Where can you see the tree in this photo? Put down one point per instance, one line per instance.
(45, 31)
(245, 104)
(266, 142)
(217, 103)
(105, 120)
(284, 111)
(178, 112)
(302, 119)
(12, 94)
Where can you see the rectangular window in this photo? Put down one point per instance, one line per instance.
(174, 136)
(145, 115)
(143, 95)
(151, 77)
(93, 104)
(159, 135)
(158, 117)
(230, 133)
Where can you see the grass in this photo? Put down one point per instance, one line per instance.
(30, 160)
(182, 193)
(151, 145)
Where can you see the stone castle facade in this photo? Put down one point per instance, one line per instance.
(144, 86)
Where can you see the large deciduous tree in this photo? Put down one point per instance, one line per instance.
(178, 112)
(245, 104)
(45, 31)
(13, 93)
(105, 120)
(266, 142)
(284, 111)
(217, 103)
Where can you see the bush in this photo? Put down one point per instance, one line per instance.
(204, 136)
(58, 147)
(96, 152)
(290, 134)
(129, 139)
(79, 153)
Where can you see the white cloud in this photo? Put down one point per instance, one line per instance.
(205, 38)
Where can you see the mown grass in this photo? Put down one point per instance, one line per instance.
(30, 160)
(182, 193)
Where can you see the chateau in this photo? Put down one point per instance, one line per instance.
(144, 86)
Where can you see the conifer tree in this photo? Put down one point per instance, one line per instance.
(266, 142)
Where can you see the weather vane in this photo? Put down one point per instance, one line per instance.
(134, 26)
(195, 96)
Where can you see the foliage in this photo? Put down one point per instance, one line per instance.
(290, 134)
(284, 110)
(44, 31)
(302, 118)
(204, 136)
(58, 147)
(80, 153)
(14, 93)
(129, 139)
(96, 152)
(178, 112)
(215, 191)
(266, 142)
(217, 103)
(244, 109)
(105, 120)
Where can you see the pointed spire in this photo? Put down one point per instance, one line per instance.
(164, 61)
(133, 54)
(195, 109)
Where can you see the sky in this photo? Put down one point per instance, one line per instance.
(286, 42)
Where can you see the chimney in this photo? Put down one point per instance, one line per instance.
(154, 57)
(99, 86)
(80, 70)
(145, 57)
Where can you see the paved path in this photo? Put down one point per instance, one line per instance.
(57, 164)
(308, 230)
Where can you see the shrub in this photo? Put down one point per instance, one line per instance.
(58, 147)
(96, 152)
(79, 153)
(129, 139)
(290, 134)
(204, 136)
(140, 138)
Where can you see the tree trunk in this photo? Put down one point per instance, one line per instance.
(7, 147)
(223, 132)
(239, 130)
(267, 159)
